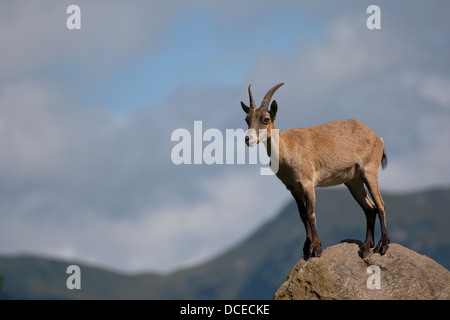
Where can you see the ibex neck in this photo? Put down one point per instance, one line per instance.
(272, 143)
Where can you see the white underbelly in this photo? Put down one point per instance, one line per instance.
(334, 178)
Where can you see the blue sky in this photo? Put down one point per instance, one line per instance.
(196, 47)
(86, 116)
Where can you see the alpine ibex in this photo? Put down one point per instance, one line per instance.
(344, 151)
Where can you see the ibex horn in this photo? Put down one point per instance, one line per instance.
(268, 96)
(252, 102)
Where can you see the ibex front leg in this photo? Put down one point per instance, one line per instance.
(300, 200)
(316, 245)
(306, 207)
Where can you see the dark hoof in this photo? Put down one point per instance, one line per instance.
(315, 252)
(381, 247)
(311, 250)
(364, 251)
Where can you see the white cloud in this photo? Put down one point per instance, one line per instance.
(157, 238)
(35, 37)
(377, 77)
(81, 183)
(437, 89)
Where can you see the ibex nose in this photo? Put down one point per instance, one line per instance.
(251, 138)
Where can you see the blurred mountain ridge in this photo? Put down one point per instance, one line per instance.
(254, 268)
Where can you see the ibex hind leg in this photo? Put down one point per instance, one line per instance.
(356, 187)
(370, 179)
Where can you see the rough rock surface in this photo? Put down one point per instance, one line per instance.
(341, 274)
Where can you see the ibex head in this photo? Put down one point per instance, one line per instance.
(260, 118)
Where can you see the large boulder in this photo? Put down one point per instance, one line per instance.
(341, 274)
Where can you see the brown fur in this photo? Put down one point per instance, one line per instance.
(338, 152)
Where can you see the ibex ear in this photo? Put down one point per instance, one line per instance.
(244, 107)
(273, 110)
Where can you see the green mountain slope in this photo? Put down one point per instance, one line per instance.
(255, 268)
